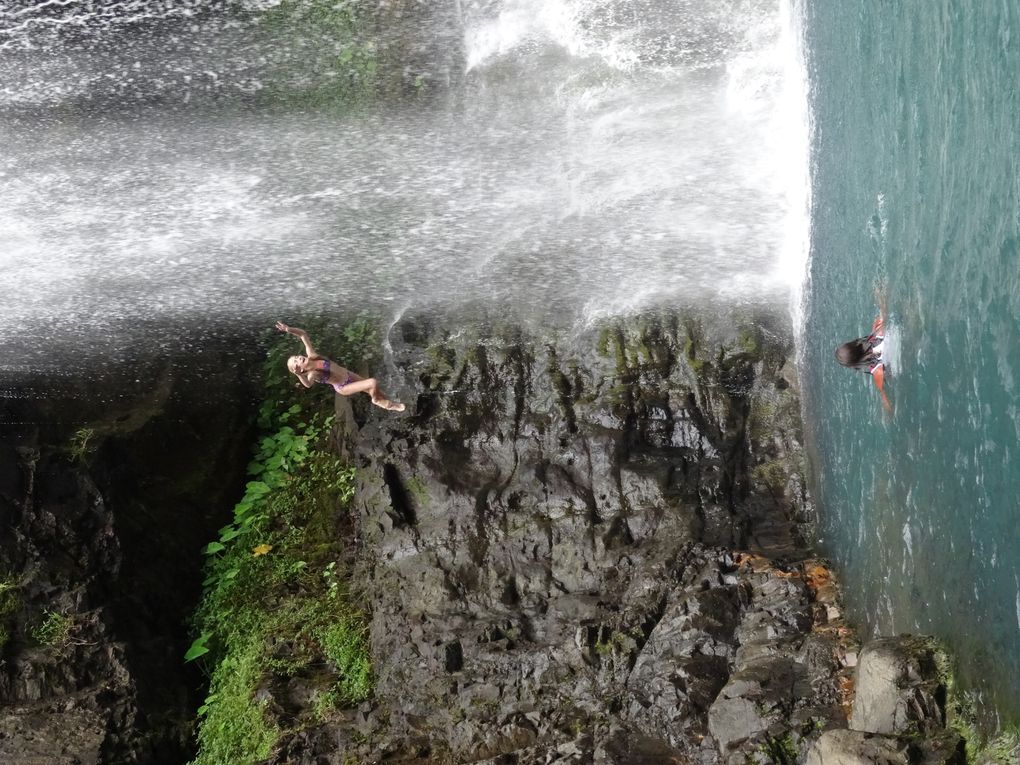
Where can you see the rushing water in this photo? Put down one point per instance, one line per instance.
(563, 158)
(917, 186)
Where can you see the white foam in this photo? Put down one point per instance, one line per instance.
(1017, 582)
(793, 263)
(891, 348)
(621, 169)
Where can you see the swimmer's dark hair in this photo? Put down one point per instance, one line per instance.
(853, 354)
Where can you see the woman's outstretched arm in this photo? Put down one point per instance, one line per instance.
(883, 312)
(301, 335)
(879, 377)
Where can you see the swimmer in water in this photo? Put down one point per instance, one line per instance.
(865, 353)
(313, 368)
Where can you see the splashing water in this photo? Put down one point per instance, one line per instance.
(571, 159)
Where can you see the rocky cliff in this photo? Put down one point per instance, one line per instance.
(591, 548)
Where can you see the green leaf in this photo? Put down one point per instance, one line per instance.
(214, 547)
(229, 533)
(208, 703)
(274, 478)
(257, 488)
(198, 648)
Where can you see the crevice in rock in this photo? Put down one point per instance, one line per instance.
(478, 543)
(454, 656)
(564, 391)
(618, 535)
(399, 499)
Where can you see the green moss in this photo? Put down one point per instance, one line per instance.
(235, 727)
(615, 345)
(962, 717)
(443, 358)
(691, 343)
(773, 474)
(780, 749)
(749, 342)
(344, 642)
(761, 422)
(617, 642)
(347, 70)
(416, 488)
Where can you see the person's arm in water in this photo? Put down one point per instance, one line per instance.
(883, 312)
(301, 335)
(879, 377)
(878, 328)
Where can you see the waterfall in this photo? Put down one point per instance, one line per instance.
(558, 159)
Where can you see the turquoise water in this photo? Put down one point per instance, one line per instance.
(915, 186)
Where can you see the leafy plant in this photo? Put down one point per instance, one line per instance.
(82, 443)
(10, 602)
(276, 600)
(54, 631)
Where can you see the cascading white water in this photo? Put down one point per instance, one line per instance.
(577, 159)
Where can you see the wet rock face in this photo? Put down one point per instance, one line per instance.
(551, 543)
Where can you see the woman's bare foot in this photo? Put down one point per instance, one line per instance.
(390, 406)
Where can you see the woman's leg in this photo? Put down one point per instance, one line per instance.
(371, 387)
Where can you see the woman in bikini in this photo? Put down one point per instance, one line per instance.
(313, 368)
(865, 353)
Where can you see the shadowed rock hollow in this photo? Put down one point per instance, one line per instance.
(100, 560)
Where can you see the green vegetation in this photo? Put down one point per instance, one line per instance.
(82, 444)
(774, 474)
(10, 602)
(780, 750)
(416, 488)
(961, 716)
(54, 631)
(616, 642)
(277, 602)
(335, 54)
